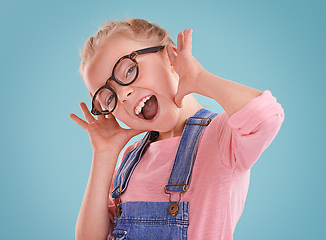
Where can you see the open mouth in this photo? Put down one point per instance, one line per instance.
(147, 108)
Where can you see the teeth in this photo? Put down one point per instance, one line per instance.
(141, 104)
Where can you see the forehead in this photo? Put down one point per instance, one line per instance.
(99, 68)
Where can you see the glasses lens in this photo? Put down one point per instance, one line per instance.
(107, 99)
(126, 71)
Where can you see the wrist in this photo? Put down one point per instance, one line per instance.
(106, 149)
(107, 156)
(199, 81)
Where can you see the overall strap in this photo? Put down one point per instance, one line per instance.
(129, 163)
(184, 160)
(183, 163)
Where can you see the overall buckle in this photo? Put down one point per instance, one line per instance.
(208, 120)
(118, 209)
(173, 209)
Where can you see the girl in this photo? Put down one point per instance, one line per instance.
(188, 178)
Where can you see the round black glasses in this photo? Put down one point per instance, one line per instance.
(124, 72)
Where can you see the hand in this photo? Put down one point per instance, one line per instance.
(105, 133)
(185, 65)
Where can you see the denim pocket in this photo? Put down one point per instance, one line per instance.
(118, 234)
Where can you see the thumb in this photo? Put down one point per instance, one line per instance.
(179, 97)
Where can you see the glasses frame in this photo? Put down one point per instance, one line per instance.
(132, 56)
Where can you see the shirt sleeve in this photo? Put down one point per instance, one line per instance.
(248, 132)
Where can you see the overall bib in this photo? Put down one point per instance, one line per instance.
(159, 220)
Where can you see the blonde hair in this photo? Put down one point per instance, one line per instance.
(135, 29)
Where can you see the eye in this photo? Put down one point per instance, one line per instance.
(130, 70)
(110, 99)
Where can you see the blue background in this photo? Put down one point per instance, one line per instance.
(45, 157)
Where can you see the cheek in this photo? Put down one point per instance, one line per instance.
(120, 114)
(170, 84)
(165, 85)
(158, 77)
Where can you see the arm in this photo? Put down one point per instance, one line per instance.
(230, 95)
(193, 77)
(93, 219)
(107, 140)
(243, 137)
(251, 123)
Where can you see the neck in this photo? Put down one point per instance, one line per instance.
(189, 108)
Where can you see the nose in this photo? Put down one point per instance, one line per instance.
(123, 92)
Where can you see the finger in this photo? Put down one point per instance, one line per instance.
(98, 107)
(79, 121)
(179, 98)
(188, 39)
(88, 116)
(180, 42)
(111, 118)
(171, 53)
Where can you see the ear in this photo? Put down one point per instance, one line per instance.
(168, 58)
(166, 52)
(174, 47)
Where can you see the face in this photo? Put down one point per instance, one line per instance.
(156, 79)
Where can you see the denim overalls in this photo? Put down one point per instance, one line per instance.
(159, 220)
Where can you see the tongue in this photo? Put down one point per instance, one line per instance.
(150, 108)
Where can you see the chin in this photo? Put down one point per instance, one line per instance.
(168, 121)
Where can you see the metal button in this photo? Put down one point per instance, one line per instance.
(173, 209)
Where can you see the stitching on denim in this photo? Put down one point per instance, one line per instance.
(153, 222)
(197, 132)
(124, 174)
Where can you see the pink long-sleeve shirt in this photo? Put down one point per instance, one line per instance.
(220, 178)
